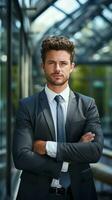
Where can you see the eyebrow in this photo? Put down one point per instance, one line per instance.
(59, 61)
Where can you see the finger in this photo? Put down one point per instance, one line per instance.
(88, 133)
(93, 134)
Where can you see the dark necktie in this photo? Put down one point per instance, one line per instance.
(61, 137)
(60, 119)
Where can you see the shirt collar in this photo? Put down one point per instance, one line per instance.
(51, 94)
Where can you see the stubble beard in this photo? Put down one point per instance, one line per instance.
(56, 83)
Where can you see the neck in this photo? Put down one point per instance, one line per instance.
(57, 88)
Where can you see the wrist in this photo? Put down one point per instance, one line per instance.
(44, 146)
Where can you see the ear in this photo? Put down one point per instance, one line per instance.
(72, 67)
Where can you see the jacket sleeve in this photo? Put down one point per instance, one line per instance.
(84, 152)
(23, 155)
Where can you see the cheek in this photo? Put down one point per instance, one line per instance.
(47, 70)
(67, 72)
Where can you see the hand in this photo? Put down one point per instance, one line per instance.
(87, 137)
(39, 146)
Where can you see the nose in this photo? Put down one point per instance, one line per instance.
(57, 67)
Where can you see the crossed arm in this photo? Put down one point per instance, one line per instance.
(36, 159)
(40, 145)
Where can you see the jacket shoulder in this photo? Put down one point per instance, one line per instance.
(83, 97)
(29, 99)
(31, 102)
(84, 100)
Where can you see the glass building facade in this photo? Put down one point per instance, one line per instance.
(15, 83)
(22, 28)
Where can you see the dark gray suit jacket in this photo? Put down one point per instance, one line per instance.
(33, 122)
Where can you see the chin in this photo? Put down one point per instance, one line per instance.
(59, 83)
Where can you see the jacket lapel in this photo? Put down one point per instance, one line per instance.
(47, 113)
(71, 112)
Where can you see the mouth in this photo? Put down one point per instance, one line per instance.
(57, 75)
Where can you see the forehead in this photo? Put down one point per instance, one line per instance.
(58, 55)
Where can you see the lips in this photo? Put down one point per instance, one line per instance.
(57, 75)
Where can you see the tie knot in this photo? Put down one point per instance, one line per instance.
(58, 98)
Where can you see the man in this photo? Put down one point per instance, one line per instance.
(54, 138)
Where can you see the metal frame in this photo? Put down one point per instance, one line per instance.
(88, 12)
(43, 8)
(9, 99)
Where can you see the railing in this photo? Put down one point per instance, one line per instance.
(102, 171)
(107, 153)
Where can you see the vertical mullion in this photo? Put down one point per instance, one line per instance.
(9, 100)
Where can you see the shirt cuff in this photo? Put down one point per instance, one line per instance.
(51, 149)
(65, 167)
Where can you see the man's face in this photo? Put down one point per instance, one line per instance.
(57, 67)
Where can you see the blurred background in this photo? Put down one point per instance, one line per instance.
(23, 25)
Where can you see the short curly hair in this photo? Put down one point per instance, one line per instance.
(57, 43)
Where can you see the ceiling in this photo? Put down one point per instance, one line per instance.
(86, 22)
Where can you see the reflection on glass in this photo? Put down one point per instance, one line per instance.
(3, 61)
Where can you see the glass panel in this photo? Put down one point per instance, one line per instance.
(67, 6)
(97, 82)
(40, 25)
(107, 13)
(3, 102)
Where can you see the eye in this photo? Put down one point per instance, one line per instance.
(50, 62)
(64, 63)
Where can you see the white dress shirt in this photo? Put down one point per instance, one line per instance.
(51, 146)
